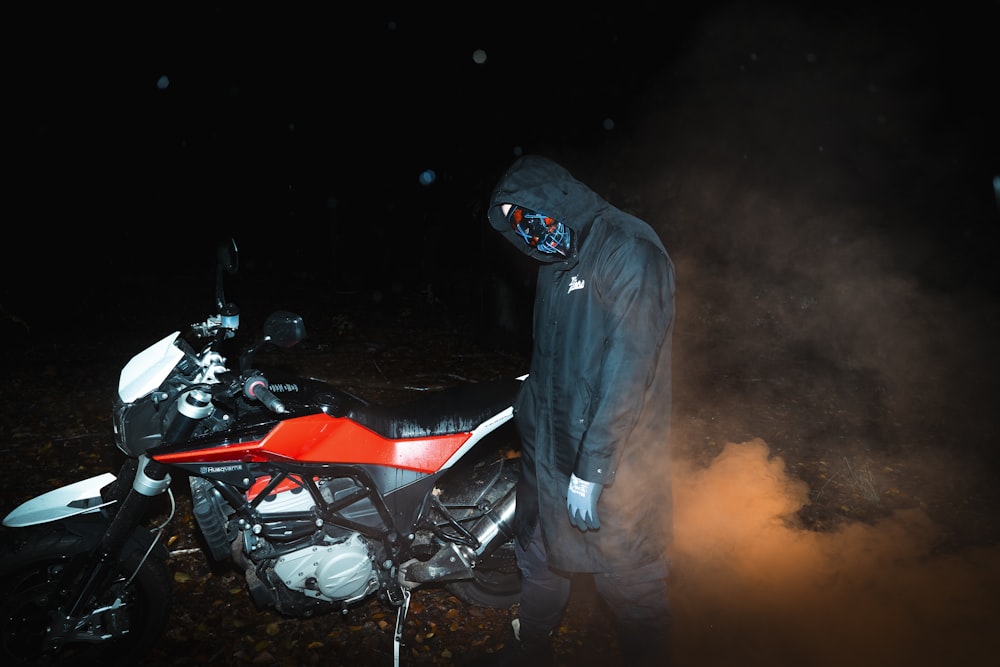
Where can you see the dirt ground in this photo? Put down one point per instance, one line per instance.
(767, 438)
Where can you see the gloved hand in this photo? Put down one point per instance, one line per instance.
(581, 501)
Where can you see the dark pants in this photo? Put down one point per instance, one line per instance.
(637, 598)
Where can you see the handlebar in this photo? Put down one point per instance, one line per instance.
(255, 387)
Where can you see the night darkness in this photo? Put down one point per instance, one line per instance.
(304, 133)
(826, 179)
(133, 137)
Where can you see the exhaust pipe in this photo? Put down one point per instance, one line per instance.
(496, 527)
(455, 561)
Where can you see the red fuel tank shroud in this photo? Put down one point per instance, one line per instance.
(321, 438)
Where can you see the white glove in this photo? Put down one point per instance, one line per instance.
(581, 501)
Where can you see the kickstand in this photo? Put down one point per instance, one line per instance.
(396, 640)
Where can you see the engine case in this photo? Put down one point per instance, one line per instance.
(338, 572)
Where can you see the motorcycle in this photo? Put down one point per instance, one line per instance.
(319, 497)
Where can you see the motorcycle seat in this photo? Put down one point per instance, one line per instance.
(453, 410)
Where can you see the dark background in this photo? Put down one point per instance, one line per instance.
(141, 133)
(137, 136)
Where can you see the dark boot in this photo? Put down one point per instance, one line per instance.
(520, 652)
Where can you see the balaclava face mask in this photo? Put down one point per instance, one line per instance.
(541, 232)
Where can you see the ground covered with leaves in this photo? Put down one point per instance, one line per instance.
(830, 428)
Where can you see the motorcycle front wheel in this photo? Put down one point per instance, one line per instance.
(37, 567)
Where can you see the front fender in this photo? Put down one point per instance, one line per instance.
(81, 497)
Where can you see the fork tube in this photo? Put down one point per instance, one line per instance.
(151, 480)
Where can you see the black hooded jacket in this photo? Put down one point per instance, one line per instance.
(597, 399)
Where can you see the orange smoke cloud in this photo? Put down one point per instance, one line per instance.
(751, 587)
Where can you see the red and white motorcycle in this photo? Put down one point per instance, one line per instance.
(319, 497)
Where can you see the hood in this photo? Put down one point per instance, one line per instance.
(539, 184)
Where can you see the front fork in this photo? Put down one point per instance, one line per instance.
(148, 479)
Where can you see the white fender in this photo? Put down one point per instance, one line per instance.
(66, 501)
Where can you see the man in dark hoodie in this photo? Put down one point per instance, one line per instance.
(593, 414)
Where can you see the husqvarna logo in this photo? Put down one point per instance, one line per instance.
(576, 283)
(215, 470)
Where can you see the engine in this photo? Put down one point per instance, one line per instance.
(338, 569)
(335, 572)
(305, 547)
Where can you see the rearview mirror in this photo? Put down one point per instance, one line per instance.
(284, 329)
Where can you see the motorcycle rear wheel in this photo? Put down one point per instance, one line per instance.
(35, 567)
(496, 583)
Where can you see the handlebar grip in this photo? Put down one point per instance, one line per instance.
(256, 388)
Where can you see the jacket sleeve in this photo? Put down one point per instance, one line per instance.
(636, 290)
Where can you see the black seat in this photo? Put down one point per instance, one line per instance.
(453, 410)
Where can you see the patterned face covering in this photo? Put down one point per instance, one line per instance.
(541, 232)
